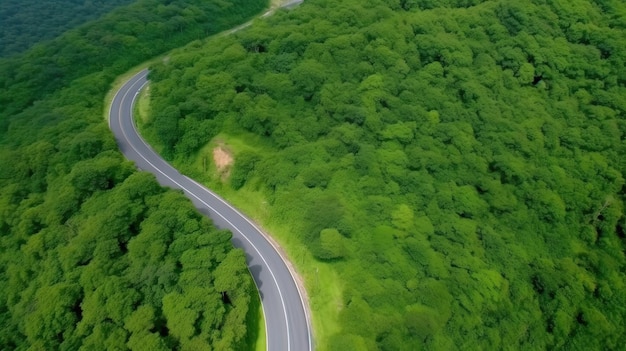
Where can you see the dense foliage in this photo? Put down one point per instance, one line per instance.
(27, 22)
(124, 38)
(460, 163)
(94, 255)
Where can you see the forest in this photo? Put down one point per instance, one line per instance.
(93, 254)
(27, 22)
(458, 164)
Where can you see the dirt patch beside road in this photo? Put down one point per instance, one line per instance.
(223, 160)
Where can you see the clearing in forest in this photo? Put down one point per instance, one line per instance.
(223, 160)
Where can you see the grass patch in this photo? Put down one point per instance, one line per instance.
(141, 115)
(255, 339)
(143, 105)
(119, 81)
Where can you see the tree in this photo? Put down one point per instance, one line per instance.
(166, 126)
(331, 245)
(308, 77)
(243, 168)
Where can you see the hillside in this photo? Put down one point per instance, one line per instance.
(27, 22)
(454, 169)
(93, 254)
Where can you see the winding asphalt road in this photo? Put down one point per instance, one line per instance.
(286, 319)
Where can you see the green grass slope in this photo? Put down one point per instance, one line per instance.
(453, 170)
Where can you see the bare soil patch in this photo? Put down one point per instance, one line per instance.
(223, 160)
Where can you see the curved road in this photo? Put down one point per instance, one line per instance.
(286, 320)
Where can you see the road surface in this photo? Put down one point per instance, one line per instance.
(286, 317)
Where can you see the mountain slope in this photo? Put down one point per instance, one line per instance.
(93, 254)
(458, 164)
